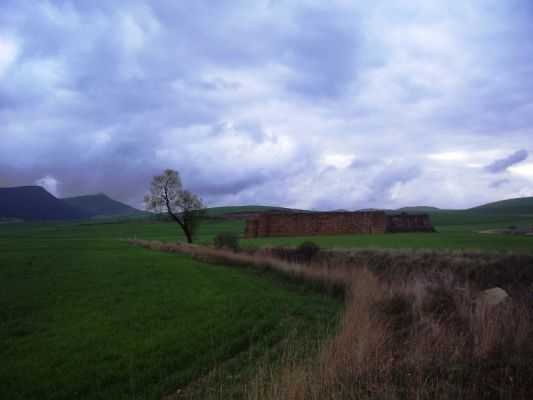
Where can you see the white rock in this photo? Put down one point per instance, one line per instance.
(493, 297)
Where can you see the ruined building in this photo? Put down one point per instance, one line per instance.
(334, 223)
(409, 223)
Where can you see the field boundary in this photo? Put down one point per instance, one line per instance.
(320, 280)
(425, 334)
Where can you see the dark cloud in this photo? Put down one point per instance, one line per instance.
(12, 176)
(322, 53)
(504, 163)
(388, 177)
(253, 129)
(248, 100)
(221, 188)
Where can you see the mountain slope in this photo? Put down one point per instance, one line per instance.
(102, 205)
(418, 209)
(520, 206)
(34, 203)
(242, 209)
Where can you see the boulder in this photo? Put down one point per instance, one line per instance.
(493, 297)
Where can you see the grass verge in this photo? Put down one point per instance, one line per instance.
(425, 334)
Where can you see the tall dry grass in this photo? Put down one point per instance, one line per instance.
(411, 330)
(418, 340)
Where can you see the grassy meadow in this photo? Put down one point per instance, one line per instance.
(86, 315)
(457, 230)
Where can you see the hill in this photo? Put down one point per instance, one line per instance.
(242, 209)
(243, 212)
(520, 206)
(34, 203)
(418, 209)
(103, 206)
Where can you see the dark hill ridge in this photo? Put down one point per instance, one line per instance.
(34, 203)
(101, 205)
(520, 206)
(418, 209)
(242, 212)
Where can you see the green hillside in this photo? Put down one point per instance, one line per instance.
(418, 209)
(521, 206)
(103, 206)
(242, 209)
(517, 212)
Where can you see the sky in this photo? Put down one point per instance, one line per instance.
(310, 104)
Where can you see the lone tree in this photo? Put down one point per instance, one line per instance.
(167, 195)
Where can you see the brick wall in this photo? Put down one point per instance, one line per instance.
(316, 224)
(409, 223)
(335, 223)
(252, 225)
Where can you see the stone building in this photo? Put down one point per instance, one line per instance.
(334, 223)
(409, 223)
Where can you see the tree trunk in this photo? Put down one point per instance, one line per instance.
(188, 234)
(182, 225)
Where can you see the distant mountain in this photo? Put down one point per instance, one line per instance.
(242, 212)
(520, 206)
(103, 206)
(242, 209)
(34, 203)
(419, 209)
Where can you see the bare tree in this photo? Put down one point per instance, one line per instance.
(167, 195)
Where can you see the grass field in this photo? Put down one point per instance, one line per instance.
(458, 240)
(84, 315)
(456, 231)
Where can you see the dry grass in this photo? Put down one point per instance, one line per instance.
(416, 333)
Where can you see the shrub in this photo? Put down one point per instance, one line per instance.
(227, 239)
(307, 251)
(304, 253)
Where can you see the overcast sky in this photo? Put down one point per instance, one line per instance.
(309, 104)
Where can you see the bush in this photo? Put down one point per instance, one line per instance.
(304, 253)
(307, 251)
(227, 239)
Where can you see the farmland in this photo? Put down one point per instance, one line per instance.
(446, 240)
(85, 315)
(457, 230)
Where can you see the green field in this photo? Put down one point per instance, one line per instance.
(449, 240)
(84, 315)
(456, 231)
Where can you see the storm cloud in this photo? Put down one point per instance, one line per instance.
(504, 163)
(305, 104)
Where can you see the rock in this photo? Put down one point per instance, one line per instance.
(493, 297)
